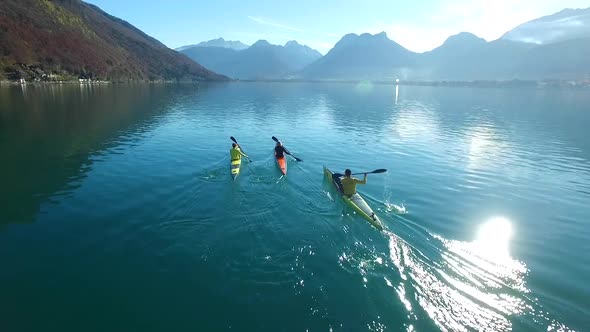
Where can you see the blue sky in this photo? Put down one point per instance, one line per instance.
(419, 25)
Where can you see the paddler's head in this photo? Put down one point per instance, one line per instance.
(348, 173)
(279, 144)
(233, 145)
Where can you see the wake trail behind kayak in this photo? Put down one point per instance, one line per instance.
(442, 277)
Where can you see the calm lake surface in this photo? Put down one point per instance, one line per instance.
(118, 212)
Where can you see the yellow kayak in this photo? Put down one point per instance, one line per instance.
(235, 168)
(355, 201)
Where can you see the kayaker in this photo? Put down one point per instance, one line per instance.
(236, 153)
(279, 150)
(349, 183)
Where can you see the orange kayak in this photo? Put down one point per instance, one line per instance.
(282, 163)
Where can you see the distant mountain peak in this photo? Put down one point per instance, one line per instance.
(464, 37)
(460, 43)
(352, 38)
(292, 43)
(365, 56)
(564, 25)
(567, 12)
(379, 35)
(349, 36)
(261, 42)
(219, 42)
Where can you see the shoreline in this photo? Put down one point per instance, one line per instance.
(442, 83)
(446, 83)
(5, 82)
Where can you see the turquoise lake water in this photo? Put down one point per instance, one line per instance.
(118, 212)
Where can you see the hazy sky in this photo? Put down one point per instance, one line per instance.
(419, 25)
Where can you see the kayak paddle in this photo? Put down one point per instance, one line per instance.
(377, 171)
(288, 152)
(233, 139)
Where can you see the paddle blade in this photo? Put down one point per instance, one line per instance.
(296, 158)
(275, 139)
(233, 139)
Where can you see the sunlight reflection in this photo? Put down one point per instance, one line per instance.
(416, 121)
(493, 239)
(489, 255)
(450, 307)
(486, 146)
(479, 145)
(473, 286)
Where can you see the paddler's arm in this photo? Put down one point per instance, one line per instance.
(287, 151)
(363, 181)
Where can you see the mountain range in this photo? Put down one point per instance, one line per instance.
(219, 42)
(552, 47)
(561, 51)
(68, 39)
(262, 60)
(462, 57)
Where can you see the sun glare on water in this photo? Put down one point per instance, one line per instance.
(493, 239)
